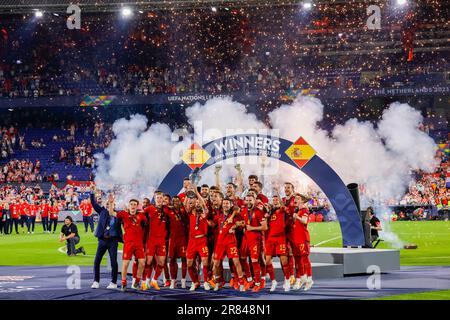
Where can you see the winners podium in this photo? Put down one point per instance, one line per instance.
(330, 263)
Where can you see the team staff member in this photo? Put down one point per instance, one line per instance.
(2, 207)
(109, 234)
(7, 222)
(44, 208)
(54, 212)
(23, 212)
(69, 233)
(375, 225)
(31, 215)
(86, 210)
(15, 216)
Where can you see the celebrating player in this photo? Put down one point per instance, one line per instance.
(252, 218)
(156, 241)
(198, 244)
(177, 242)
(226, 243)
(301, 244)
(133, 222)
(276, 241)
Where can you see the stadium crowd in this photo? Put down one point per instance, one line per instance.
(182, 52)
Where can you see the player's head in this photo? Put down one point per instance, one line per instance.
(252, 179)
(158, 198)
(212, 189)
(301, 200)
(250, 201)
(186, 183)
(68, 220)
(370, 212)
(132, 206)
(217, 198)
(288, 189)
(204, 191)
(276, 201)
(227, 203)
(167, 199)
(176, 202)
(252, 192)
(145, 202)
(258, 186)
(230, 189)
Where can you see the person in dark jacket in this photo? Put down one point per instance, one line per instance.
(109, 234)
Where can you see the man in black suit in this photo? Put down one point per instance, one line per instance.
(109, 234)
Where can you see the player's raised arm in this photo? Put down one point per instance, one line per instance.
(110, 205)
(92, 193)
(239, 179)
(200, 199)
(217, 177)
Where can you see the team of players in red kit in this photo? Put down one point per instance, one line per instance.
(202, 227)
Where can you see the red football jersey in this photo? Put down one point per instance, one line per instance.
(177, 223)
(132, 225)
(158, 226)
(263, 198)
(223, 227)
(198, 225)
(301, 233)
(290, 206)
(253, 218)
(182, 196)
(238, 202)
(276, 223)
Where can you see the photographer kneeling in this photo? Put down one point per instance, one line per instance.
(69, 233)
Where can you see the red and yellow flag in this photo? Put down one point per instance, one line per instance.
(195, 156)
(300, 152)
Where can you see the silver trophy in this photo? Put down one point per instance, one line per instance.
(195, 179)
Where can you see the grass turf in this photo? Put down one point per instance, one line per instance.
(432, 295)
(432, 238)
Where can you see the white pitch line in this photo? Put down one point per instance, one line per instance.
(443, 257)
(62, 249)
(325, 241)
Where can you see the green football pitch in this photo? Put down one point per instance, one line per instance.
(38, 249)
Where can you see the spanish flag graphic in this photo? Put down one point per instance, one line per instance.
(195, 156)
(300, 152)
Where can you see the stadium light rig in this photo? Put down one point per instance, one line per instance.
(307, 5)
(126, 12)
(38, 14)
(402, 2)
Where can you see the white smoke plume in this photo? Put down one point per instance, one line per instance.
(136, 160)
(379, 156)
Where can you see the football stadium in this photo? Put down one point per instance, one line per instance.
(225, 150)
